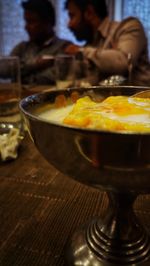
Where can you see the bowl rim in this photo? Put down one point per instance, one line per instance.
(35, 98)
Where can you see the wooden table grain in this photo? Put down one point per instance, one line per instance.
(40, 208)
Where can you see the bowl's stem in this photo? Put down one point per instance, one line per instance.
(119, 239)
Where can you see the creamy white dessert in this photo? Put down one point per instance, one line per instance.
(56, 114)
(115, 113)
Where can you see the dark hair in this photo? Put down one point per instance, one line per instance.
(43, 8)
(99, 6)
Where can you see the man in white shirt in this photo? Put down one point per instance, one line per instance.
(112, 48)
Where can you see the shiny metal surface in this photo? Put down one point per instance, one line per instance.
(115, 80)
(116, 162)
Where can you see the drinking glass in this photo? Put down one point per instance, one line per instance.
(10, 94)
(87, 74)
(65, 71)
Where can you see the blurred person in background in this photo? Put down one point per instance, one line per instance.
(36, 54)
(112, 48)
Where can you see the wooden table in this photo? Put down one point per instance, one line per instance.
(40, 208)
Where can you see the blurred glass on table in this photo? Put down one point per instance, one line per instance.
(87, 74)
(11, 122)
(65, 71)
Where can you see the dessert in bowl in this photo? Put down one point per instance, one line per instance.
(116, 159)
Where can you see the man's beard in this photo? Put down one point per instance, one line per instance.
(84, 32)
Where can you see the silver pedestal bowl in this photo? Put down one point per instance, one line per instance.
(119, 163)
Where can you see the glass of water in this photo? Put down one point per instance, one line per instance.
(65, 71)
(11, 122)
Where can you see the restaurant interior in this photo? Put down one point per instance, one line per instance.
(69, 195)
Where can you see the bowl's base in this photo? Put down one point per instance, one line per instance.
(79, 252)
(117, 240)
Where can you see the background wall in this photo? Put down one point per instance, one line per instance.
(12, 22)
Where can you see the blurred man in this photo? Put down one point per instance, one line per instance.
(35, 54)
(114, 48)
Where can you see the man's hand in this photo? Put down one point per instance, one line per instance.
(72, 49)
